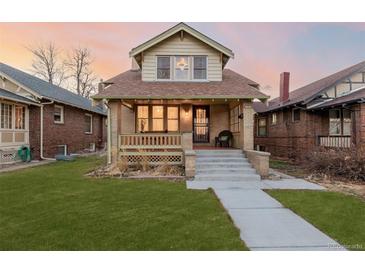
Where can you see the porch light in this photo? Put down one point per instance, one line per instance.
(240, 116)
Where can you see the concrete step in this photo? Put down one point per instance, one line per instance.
(223, 155)
(227, 177)
(212, 165)
(235, 171)
(218, 152)
(220, 159)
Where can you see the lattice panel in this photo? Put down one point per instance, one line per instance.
(174, 159)
(8, 156)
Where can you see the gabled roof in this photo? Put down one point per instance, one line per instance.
(175, 29)
(4, 94)
(353, 97)
(47, 90)
(128, 85)
(307, 93)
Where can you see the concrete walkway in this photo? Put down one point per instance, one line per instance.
(264, 223)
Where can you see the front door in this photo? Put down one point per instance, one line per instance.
(201, 124)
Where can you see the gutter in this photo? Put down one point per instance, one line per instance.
(109, 133)
(41, 133)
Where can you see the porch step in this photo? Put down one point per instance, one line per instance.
(227, 177)
(230, 170)
(220, 159)
(213, 165)
(219, 152)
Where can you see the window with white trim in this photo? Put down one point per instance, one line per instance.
(88, 123)
(58, 114)
(6, 116)
(182, 68)
(163, 67)
(340, 122)
(200, 68)
(19, 117)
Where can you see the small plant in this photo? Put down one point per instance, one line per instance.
(122, 164)
(143, 164)
(345, 163)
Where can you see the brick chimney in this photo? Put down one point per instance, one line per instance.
(284, 86)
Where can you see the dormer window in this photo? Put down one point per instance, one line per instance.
(185, 68)
(182, 68)
(200, 67)
(163, 67)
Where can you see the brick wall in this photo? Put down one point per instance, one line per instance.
(70, 133)
(291, 139)
(295, 139)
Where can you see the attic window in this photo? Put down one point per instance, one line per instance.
(163, 67)
(200, 67)
(182, 68)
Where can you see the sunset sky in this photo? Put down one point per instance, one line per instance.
(262, 50)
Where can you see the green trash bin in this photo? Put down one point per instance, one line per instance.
(24, 154)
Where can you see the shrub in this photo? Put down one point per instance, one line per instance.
(345, 163)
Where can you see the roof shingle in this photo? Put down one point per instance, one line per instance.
(48, 90)
(129, 85)
(304, 93)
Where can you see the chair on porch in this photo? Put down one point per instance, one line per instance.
(224, 139)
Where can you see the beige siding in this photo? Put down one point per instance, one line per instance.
(175, 46)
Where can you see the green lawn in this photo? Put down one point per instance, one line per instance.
(340, 216)
(55, 207)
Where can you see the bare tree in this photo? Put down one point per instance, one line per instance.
(79, 67)
(45, 63)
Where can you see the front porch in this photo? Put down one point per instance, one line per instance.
(157, 132)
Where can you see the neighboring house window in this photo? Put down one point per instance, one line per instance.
(58, 114)
(19, 117)
(172, 118)
(182, 68)
(200, 67)
(142, 118)
(88, 123)
(235, 121)
(296, 115)
(6, 116)
(346, 122)
(157, 118)
(261, 127)
(163, 67)
(274, 119)
(340, 122)
(62, 150)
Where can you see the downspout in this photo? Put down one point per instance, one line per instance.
(41, 143)
(109, 134)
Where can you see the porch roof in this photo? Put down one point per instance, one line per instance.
(129, 85)
(4, 94)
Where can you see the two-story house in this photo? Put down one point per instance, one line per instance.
(177, 97)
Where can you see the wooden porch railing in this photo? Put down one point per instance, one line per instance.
(335, 141)
(155, 149)
(150, 141)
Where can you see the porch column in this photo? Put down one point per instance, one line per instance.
(247, 126)
(115, 124)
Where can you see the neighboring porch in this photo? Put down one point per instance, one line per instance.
(168, 131)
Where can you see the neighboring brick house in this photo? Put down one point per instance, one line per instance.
(71, 124)
(178, 97)
(329, 112)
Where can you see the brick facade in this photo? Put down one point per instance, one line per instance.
(70, 133)
(289, 139)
